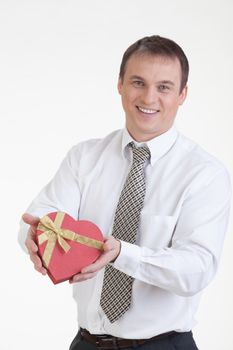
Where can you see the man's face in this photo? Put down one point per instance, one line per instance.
(150, 92)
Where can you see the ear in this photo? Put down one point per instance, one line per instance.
(183, 95)
(119, 85)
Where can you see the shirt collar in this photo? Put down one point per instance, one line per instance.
(158, 146)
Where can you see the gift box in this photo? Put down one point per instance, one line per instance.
(66, 245)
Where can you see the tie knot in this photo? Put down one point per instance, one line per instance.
(140, 154)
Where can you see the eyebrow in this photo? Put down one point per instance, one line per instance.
(136, 77)
(169, 82)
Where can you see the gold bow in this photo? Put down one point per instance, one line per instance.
(53, 232)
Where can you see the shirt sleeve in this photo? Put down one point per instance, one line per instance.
(189, 264)
(62, 193)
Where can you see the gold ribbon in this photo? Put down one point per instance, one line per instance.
(53, 232)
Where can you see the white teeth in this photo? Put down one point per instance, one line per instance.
(148, 111)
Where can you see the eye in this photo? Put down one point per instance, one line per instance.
(138, 83)
(163, 87)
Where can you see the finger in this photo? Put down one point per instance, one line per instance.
(30, 220)
(99, 264)
(72, 279)
(109, 244)
(36, 260)
(41, 270)
(38, 264)
(82, 277)
(75, 278)
(31, 245)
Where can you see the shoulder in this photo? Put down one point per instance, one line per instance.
(197, 154)
(195, 160)
(93, 148)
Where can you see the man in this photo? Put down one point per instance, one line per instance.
(162, 203)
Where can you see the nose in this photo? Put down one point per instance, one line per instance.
(149, 96)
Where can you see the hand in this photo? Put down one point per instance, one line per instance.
(31, 242)
(111, 250)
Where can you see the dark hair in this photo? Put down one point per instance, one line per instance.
(157, 45)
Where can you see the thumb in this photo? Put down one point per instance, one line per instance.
(30, 220)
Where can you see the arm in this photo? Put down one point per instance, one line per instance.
(30, 242)
(111, 250)
(62, 193)
(190, 263)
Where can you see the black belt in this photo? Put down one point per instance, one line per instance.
(104, 341)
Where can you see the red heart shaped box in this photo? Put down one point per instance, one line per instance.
(63, 265)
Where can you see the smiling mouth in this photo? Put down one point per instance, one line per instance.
(147, 110)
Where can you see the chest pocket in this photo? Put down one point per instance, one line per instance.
(156, 231)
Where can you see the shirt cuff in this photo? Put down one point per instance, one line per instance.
(129, 258)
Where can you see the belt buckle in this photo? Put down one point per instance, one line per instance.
(111, 340)
(98, 343)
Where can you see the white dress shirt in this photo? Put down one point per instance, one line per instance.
(181, 232)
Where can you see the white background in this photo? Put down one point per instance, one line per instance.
(59, 62)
